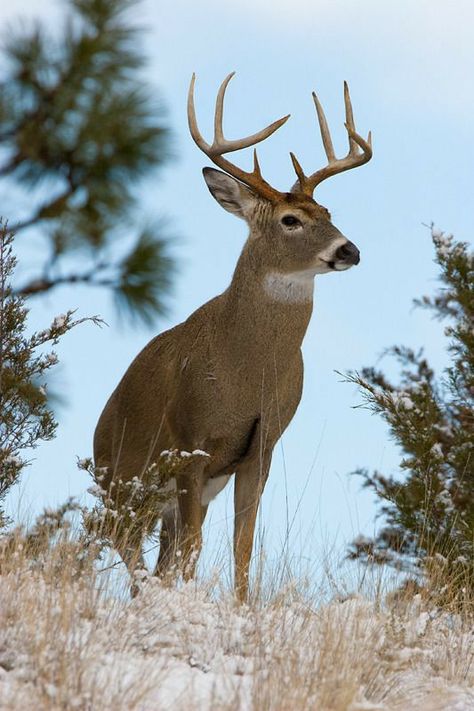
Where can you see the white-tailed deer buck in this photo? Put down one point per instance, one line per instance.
(228, 380)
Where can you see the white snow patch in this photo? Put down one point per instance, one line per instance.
(59, 321)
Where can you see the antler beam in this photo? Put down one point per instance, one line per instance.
(221, 145)
(307, 183)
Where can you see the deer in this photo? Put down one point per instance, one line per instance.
(223, 385)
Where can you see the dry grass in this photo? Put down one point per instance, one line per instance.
(71, 639)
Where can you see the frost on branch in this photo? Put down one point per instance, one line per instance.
(135, 502)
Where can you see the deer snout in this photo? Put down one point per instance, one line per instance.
(348, 253)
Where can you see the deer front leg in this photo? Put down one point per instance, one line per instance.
(249, 484)
(190, 487)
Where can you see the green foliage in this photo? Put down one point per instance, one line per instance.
(429, 510)
(25, 418)
(144, 276)
(78, 131)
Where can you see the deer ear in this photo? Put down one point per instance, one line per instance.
(229, 193)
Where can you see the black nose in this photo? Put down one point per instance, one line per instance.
(349, 253)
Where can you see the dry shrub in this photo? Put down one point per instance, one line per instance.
(57, 624)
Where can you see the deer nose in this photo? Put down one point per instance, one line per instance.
(348, 253)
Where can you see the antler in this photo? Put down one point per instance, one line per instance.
(221, 145)
(307, 183)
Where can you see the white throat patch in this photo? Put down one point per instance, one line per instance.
(292, 288)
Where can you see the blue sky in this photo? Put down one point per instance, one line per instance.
(409, 66)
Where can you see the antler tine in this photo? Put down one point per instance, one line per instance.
(354, 158)
(256, 165)
(192, 122)
(324, 129)
(221, 145)
(298, 169)
(218, 116)
(350, 126)
(239, 143)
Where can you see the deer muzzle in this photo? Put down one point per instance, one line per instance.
(347, 254)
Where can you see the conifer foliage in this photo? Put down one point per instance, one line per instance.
(26, 418)
(78, 130)
(429, 509)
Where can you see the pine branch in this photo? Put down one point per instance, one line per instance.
(137, 281)
(43, 284)
(47, 211)
(76, 113)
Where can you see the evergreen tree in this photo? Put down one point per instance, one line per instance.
(78, 130)
(429, 509)
(25, 417)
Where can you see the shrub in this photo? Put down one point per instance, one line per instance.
(429, 510)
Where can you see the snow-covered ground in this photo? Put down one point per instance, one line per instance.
(66, 645)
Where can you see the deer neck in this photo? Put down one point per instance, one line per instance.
(266, 310)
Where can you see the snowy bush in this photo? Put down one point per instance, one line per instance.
(429, 509)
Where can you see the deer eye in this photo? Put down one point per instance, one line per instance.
(290, 221)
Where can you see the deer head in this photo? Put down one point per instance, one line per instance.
(293, 233)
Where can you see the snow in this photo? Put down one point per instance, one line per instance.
(403, 400)
(59, 321)
(443, 242)
(14, 460)
(437, 451)
(190, 647)
(361, 540)
(169, 453)
(96, 490)
(194, 453)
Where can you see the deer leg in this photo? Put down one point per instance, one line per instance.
(190, 485)
(250, 480)
(129, 548)
(169, 534)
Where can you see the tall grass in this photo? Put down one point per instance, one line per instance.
(70, 638)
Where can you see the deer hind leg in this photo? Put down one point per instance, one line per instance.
(169, 542)
(167, 563)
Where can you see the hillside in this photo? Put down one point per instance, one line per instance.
(67, 643)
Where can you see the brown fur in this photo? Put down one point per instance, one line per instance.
(227, 381)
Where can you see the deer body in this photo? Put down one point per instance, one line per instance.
(228, 380)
